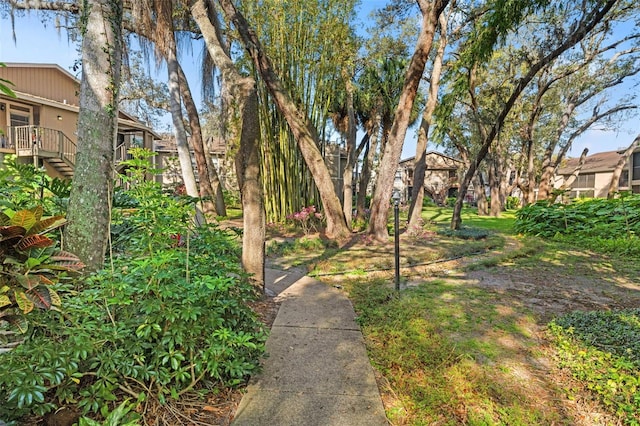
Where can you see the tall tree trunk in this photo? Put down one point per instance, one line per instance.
(580, 31)
(300, 126)
(365, 174)
(420, 165)
(615, 177)
(480, 194)
(184, 155)
(248, 170)
(210, 189)
(431, 11)
(89, 203)
(243, 88)
(493, 165)
(530, 192)
(347, 175)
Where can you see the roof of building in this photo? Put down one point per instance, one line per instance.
(596, 163)
(39, 65)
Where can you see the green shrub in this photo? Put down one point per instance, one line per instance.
(513, 203)
(24, 187)
(602, 349)
(169, 313)
(451, 201)
(149, 328)
(231, 198)
(30, 265)
(596, 217)
(428, 202)
(304, 244)
(466, 233)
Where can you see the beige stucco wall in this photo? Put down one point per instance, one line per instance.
(601, 186)
(67, 124)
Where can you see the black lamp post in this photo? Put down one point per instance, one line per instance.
(396, 232)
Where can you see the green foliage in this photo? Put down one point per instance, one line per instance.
(146, 327)
(466, 233)
(609, 226)
(150, 218)
(30, 265)
(23, 186)
(428, 202)
(602, 349)
(231, 198)
(4, 85)
(451, 201)
(512, 203)
(121, 416)
(297, 245)
(168, 316)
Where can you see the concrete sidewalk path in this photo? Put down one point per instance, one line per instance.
(317, 372)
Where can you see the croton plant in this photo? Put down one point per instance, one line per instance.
(30, 266)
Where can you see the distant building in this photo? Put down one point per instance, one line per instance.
(440, 179)
(40, 124)
(595, 175)
(166, 158)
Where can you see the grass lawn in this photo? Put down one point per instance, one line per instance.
(442, 216)
(451, 354)
(470, 342)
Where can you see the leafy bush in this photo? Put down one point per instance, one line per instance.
(466, 233)
(513, 203)
(428, 202)
(304, 244)
(231, 198)
(24, 187)
(168, 316)
(30, 265)
(451, 201)
(603, 349)
(307, 219)
(594, 217)
(149, 329)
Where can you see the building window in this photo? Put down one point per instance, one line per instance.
(623, 182)
(584, 181)
(584, 193)
(635, 162)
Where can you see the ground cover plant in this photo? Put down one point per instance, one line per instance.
(611, 226)
(167, 319)
(25, 187)
(602, 350)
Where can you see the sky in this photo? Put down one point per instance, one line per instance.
(42, 43)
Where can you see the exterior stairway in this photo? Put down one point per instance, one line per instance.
(50, 145)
